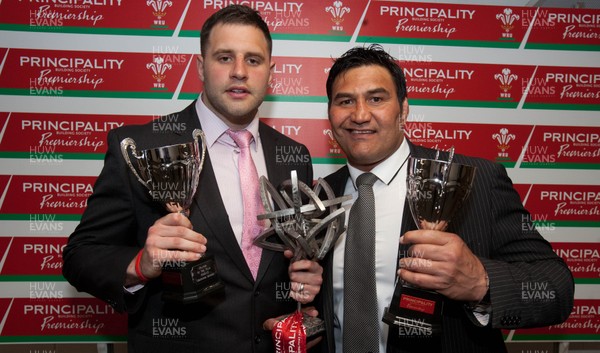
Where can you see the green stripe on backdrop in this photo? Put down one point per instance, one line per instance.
(557, 46)
(86, 93)
(54, 158)
(554, 337)
(558, 106)
(327, 160)
(542, 165)
(508, 164)
(449, 42)
(587, 280)
(187, 96)
(554, 223)
(88, 30)
(27, 217)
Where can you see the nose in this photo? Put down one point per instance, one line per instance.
(361, 113)
(239, 70)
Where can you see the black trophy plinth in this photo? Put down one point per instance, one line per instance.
(186, 284)
(416, 312)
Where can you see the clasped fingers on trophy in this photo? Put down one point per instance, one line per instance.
(170, 240)
(306, 277)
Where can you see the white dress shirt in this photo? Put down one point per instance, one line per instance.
(390, 192)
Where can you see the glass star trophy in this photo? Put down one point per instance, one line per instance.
(436, 189)
(310, 230)
(171, 174)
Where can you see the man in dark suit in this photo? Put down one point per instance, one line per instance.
(480, 263)
(124, 237)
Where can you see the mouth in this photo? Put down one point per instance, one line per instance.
(238, 91)
(361, 131)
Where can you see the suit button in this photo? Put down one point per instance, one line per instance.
(257, 293)
(257, 339)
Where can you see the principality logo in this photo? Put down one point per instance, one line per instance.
(506, 78)
(503, 139)
(158, 10)
(159, 67)
(507, 17)
(334, 149)
(338, 10)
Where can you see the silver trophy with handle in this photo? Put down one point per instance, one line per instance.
(171, 174)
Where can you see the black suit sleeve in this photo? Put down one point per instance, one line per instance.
(529, 284)
(103, 244)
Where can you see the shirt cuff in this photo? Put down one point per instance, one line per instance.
(482, 312)
(133, 289)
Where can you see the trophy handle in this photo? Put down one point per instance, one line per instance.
(130, 143)
(197, 133)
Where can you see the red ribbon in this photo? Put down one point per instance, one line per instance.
(289, 335)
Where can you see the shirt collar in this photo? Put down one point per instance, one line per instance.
(214, 128)
(388, 169)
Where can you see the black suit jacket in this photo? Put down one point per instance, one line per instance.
(496, 227)
(114, 227)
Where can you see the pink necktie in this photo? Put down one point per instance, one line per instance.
(251, 199)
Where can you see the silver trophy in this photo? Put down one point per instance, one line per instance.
(436, 189)
(171, 174)
(309, 229)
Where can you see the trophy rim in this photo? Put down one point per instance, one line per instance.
(441, 161)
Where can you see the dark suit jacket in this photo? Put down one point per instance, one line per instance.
(494, 225)
(114, 228)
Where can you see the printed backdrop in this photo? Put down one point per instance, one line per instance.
(519, 85)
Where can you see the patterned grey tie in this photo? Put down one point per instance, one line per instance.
(361, 324)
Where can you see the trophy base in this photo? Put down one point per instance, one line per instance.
(416, 312)
(188, 282)
(313, 326)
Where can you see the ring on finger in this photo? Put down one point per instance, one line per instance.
(301, 288)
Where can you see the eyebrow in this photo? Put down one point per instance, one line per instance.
(230, 51)
(369, 93)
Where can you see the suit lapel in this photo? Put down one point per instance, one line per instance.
(275, 174)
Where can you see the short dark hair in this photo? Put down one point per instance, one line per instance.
(234, 14)
(365, 56)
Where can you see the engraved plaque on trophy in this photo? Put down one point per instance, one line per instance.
(309, 229)
(436, 189)
(171, 174)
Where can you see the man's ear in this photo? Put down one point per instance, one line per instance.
(404, 112)
(200, 67)
(271, 68)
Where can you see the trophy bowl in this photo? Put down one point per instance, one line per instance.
(171, 174)
(436, 190)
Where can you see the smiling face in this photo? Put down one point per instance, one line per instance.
(366, 116)
(235, 69)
